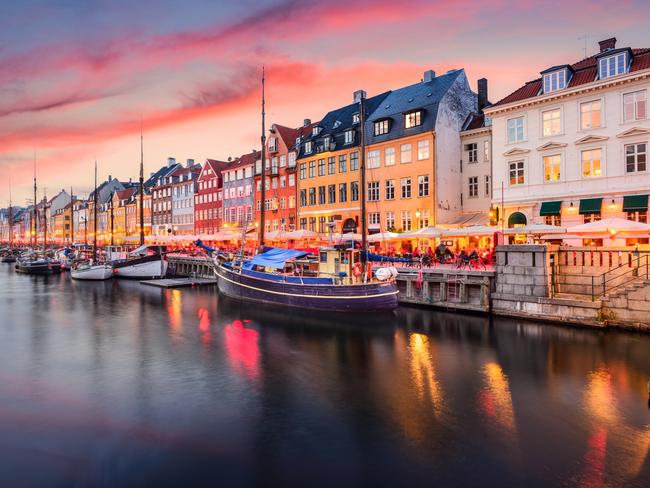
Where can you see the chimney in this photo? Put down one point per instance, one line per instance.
(306, 122)
(171, 162)
(110, 178)
(190, 163)
(151, 174)
(428, 76)
(358, 95)
(482, 94)
(607, 44)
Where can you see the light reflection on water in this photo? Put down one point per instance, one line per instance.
(117, 384)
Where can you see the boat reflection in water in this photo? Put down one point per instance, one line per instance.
(115, 383)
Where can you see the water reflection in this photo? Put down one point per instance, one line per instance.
(93, 391)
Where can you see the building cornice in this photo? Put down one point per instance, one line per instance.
(476, 132)
(634, 131)
(595, 86)
(590, 139)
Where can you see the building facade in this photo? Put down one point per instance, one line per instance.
(476, 172)
(571, 146)
(238, 195)
(183, 188)
(208, 200)
(162, 224)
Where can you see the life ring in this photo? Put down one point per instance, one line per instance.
(356, 269)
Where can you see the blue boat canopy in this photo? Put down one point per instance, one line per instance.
(275, 257)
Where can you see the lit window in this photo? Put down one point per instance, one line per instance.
(389, 156)
(590, 115)
(634, 106)
(373, 159)
(552, 168)
(591, 160)
(381, 127)
(551, 125)
(405, 153)
(516, 169)
(423, 150)
(612, 66)
(308, 147)
(515, 130)
(413, 119)
(635, 157)
(349, 136)
(355, 118)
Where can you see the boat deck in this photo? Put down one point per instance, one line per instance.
(180, 282)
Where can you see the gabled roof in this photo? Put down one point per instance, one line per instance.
(585, 71)
(244, 160)
(476, 121)
(425, 96)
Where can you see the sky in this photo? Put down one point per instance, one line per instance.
(77, 78)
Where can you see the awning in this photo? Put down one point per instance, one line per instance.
(276, 257)
(551, 208)
(517, 218)
(590, 205)
(635, 203)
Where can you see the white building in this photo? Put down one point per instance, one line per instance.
(571, 146)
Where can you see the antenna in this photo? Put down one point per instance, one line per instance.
(584, 38)
(141, 183)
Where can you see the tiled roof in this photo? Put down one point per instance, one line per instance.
(585, 71)
(125, 194)
(474, 121)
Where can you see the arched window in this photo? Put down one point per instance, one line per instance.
(516, 219)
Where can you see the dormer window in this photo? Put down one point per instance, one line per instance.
(413, 119)
(381, 127)
(349, 136)
(308, 147)
(355, 118)
(555, 80)
(612, 65)
(273, 144)
(315, 131)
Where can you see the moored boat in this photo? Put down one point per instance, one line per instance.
(145, 262)
(89, 271)
(38, 266)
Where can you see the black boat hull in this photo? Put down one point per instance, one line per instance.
(363, 297)
(39, 269)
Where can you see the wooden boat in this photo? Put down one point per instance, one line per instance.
(144, 263)
(89, 271)
(38, 266)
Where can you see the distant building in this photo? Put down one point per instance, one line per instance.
(208, 200)
(162, 224)
(183, 189)
(238, 196)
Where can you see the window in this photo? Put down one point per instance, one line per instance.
(303, 223)
(292, 180)
(515, 130)
(591, 217)
(390, 221)
(412, 119)
(638, 216)
(312, 196)
(424, 218)
(555, 81)
(292, 159)
(472, 152)
(315, 131)
(283, 161)
(473, 186)
(321, 195)
(634, 106)
(389, 156)
(423, 186)
(487, 186)
(373, 191)
(349, 136)
(331, 194)
(292, 201)
(406, 220)
(423, 150)
(590, 116)
(303, 171)
(591, 163)
(312, 169)
(516, 169)
(283, 181)
(331, 165)
(635, 157)
(374, 219)
(373, 159)
(551, 123)
(354, 191)
(552, 220)
(390, 190)
(308, 145)
(406, 187)
(343, 162)
(552, 167)
(321, 167)
(343, 192)
(355, 118)
(312, 224)
(612, 66)
(405, 153)
(381, 127)
(354, 161)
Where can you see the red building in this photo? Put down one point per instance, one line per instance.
(208, 200)
(281, 185)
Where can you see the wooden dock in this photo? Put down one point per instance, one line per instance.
(180, 282)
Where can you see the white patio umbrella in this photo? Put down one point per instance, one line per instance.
(348, 236)
(277, 235)
(610, 226)
(536, 229)
(472, 230)
(383, 236)
(302, 234)
(423, 233)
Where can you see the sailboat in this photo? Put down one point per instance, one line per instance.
(9, 256)
(145, 262)
(336, 281)
(90, 270)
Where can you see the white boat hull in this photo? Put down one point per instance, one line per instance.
(98, 272)
(143, 271)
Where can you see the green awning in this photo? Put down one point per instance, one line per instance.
(551, 208)
(590, 205)
(635, 203)
(517, 218)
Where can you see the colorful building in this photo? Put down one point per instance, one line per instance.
(184, 184)
(208, 200)
(238, 196)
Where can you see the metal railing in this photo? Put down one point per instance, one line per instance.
(639, 267)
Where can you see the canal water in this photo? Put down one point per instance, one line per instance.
(119, 384)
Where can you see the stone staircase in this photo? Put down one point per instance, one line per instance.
(629, 303)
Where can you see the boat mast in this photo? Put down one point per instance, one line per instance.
(362, 144)
(71, 218)
(263, 156)
(95, 218)
(112, 218)
(141, 185)
(32, 239)
(44, 220)
(10, 220)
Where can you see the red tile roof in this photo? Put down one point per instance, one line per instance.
(125, 194)
(585, 71)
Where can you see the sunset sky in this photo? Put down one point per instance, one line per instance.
(75, 76)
